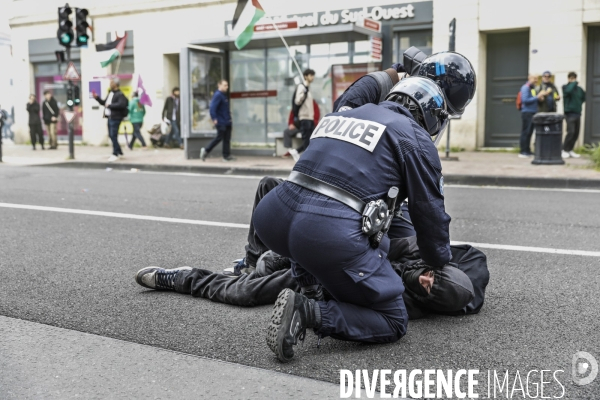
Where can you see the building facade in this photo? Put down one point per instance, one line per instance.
(189, 44)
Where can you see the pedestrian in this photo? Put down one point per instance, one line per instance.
(50, 113)
(529, 106)
(220, 114)
(292, 130)
(35, 123)
(574, 99)
(136, 117)
(115, 109)
(172, 114)
(549, 92)
(303, 109)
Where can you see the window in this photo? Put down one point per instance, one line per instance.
(403, 40)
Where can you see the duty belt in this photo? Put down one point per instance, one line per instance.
(317, 185)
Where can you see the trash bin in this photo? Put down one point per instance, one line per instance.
(548, 138)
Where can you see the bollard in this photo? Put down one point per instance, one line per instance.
(548, 138)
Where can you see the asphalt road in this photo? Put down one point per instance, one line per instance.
(76, 272)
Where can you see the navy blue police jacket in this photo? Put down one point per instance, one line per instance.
(367, 150)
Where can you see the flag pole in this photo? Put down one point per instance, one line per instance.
(118, 65)
(288, 48)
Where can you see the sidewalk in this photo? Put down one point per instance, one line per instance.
(473, 168)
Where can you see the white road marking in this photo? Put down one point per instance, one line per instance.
(246, 226)
(449, 185)
(127, 216)
(197, 175)
(531, 249)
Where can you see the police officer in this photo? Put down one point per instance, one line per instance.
(364, 152)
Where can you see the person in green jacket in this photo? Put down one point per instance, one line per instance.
(136, 117)
(574, 98)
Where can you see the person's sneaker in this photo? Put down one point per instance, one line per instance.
(525, 155)
(292, 314)
(158, 278)
(113, 158)
(287, 154)
(564, 154)
(203, 154)
(229, 158)
(239, 268)
(270, 262)
(573, 154)
(294, 154)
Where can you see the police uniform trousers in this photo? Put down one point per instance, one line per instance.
(323, 238)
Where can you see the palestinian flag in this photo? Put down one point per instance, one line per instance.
(109, 52)
(247, 13)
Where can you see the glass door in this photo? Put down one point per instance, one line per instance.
(205, 71)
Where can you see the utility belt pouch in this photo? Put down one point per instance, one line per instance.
(377, 217)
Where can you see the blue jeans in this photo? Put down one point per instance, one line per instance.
(113, 134)
(137, 134)
(526, 131)
(323, 237)
(224, 134)
(174, 134)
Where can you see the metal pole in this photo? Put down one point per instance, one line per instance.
(70, 105)
(448, 141)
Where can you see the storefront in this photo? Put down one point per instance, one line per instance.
(336, 44)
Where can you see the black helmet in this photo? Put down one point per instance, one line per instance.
(424, 99)
(455, 75)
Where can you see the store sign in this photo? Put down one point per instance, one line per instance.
(282, 26)
(420, 12)
(253, 94)
(376, 46)
(370, 24)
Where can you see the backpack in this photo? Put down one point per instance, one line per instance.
(519, 102)
(296, 108)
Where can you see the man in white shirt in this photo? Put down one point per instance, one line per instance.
(303, 111)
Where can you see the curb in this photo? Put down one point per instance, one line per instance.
(225, 170)
(473, 180)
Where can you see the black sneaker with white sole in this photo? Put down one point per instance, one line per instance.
(292, 314)
(270, 262)
(158, 278)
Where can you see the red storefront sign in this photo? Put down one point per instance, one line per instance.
(282, 26)
(253, 94)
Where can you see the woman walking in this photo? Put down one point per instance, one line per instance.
(136, 116)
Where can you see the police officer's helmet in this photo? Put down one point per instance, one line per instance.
(455, 75)
(424, 99)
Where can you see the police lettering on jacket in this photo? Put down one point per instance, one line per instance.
(360, 132)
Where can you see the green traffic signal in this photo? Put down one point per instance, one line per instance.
(66, 38)
(82, 39)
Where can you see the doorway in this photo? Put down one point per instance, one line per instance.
(592, 98)
(507, 68)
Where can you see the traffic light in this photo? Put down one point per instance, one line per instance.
(81, 27)
(70, 96)
(76, 98)
(65, 26)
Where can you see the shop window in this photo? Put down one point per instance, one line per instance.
(205, 72)
(405, 39)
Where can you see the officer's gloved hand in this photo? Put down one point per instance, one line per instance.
(398, 67)
(413, 57)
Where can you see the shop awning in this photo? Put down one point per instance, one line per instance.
(321, 34)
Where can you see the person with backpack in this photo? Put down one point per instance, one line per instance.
(115, 110)
(529, 106)
(302, 108)
(136, 117)
(574, 99)
(292, 130)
